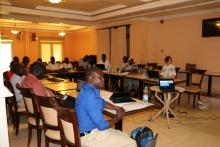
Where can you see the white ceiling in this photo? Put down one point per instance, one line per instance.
(93, 12)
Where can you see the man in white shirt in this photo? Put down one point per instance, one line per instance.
(168, 70)
(124, 64)
(18, 77)
(84, 62)
(52, 66)
(105, 62)
(66, 64)
(131, 67)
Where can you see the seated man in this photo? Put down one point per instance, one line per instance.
(131, 67)
(168, 70)
(105, 62)
(53, 66)
(84, 62)
(94, 129)
(17, 77)
(32, 80)
(124, 64)
(66, 64)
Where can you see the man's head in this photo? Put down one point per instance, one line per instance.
(52, 60)
(85, 58)
(25, 60)
(94, 76)
(38, 69)
(19, 69)
(103, 57)
(168, 60)
(16, 59)
(131, 61)
(66, 60)
(125, 59)
(39, 60)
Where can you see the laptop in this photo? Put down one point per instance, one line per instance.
(101, 66)
(153, 74)
(121, 97)
(79, 85)
(167, 85)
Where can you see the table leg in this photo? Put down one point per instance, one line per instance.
(141, 87)
(106, 82)
(167, 98)
(187, 79)
(161, 111)
(209, 85)
(118, 125)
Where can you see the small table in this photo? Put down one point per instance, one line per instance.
(167, 101)
(210, 75)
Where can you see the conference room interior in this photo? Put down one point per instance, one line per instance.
(153, 36)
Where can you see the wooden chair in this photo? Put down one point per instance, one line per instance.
(33, 115)
(49, 117)
(15, 109)
(68, 124)
(195, 84)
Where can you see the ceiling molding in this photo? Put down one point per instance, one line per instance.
(105, 10)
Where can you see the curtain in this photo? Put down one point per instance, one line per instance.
(103, 43)
(118, 46)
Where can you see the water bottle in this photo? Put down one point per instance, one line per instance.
(145, 95)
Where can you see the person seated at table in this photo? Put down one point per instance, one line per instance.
(84, 62)
(40, 60)
(89, 108)
(66, 64)
(32, 81)
(18, 77)
(131, 67)
(105, 62)
(124, 63)
(168, 70)
(16, 59)
(10, 72)
(53, 66)
(25, 62)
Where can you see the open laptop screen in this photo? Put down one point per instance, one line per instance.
(166, 83)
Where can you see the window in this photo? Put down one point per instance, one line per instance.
(5, 54)
(51, 48)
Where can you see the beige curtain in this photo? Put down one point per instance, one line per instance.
(118, 46)
(103, 43)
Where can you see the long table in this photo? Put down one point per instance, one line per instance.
(140, 77)
(210, 77)
(62, 86)
(71, 74)
(130, 108)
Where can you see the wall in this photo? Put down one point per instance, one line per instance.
(81, 43)
(76, 44)
(181, 38)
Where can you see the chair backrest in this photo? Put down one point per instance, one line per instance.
(13, 98)
(29, 102)
(151, 66)
(197, 77)
(47, 113)
(68, 124)
(152, 142)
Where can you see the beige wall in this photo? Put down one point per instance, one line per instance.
(76, 44)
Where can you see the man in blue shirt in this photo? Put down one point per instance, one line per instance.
(89, 105)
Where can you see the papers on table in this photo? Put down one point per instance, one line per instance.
(131, 106)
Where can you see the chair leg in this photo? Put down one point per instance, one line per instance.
(39, 137)
(17, 122)
(29, 134)
(46, 142)
(188, 98)
(179, 99)
(194, 101)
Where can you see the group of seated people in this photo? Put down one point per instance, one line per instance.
(89, 104)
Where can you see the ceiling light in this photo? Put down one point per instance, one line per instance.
(55, 1)
(218, 24)
(15, 32)
(62, 33)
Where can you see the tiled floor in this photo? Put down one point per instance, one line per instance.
(196, 129)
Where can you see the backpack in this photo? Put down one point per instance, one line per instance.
(142, 136)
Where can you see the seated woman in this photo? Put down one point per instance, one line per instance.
(168, 70)
(66, 64)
